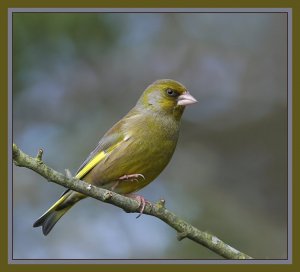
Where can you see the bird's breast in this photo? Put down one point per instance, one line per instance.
(146, 150)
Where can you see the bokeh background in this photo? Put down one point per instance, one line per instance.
(76, 74)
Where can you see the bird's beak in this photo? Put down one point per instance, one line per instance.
(186, 99)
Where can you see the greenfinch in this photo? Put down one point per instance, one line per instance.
(134, 151)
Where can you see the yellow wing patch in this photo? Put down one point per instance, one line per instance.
(94, 161)
(90, 165)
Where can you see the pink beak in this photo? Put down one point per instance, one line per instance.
(186, 99)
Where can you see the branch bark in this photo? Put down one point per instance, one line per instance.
(184, 229)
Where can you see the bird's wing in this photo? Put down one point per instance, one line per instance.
(112, 139)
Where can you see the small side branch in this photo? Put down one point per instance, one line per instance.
(183, 229)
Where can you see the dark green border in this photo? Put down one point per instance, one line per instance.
(5, 5)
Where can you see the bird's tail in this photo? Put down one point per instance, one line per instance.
(56, 211)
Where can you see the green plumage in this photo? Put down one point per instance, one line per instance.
(141, 143)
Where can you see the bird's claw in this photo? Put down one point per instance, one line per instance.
(141, 200)
(133, 177)
(142, 203)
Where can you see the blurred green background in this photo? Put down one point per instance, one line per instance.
(76, 74)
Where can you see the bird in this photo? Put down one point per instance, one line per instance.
(134, 151)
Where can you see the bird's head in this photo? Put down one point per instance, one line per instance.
(166, 96)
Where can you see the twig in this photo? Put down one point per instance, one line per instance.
(184, 229)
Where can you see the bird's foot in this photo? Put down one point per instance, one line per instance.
(142, 202)
(132, 177)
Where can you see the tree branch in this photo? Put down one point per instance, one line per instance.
(184, 229)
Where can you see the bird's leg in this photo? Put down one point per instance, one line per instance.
(132, 177)
(142, 202)
(140, 199)
(114, 186)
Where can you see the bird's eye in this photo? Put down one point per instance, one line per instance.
(171, 92)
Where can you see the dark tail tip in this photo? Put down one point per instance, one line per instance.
(48, 221)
